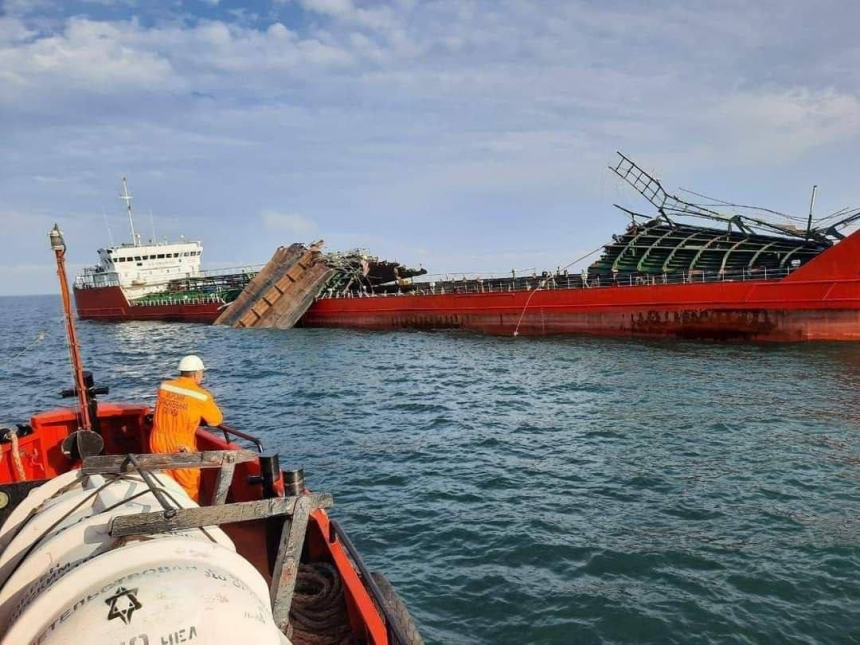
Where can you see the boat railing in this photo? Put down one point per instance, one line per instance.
(250, 270)
(91, 279)
(552, 281)
(97, 278)
(179, 300)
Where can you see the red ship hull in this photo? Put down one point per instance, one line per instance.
(819, 301)
(110, 304)
(772, 311)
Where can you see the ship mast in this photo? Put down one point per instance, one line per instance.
(126, 197)
(59, 247)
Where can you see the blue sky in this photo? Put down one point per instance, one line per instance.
(463, 135)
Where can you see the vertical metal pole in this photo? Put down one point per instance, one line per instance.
(811, 207)
(59, 247)
(127, 198)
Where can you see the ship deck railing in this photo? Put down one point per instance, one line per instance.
(178, 300)
(87, 279)
(555, 281)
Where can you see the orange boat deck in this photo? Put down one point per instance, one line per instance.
(36, 456)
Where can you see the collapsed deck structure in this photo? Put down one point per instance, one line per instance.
(281, 293)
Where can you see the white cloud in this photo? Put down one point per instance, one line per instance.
(380, 18)
(329, 7)
(23, 7)
(415, 118)
(755, 126)
(121, 57)
(89, 56)
(13, 30)
(287, 223)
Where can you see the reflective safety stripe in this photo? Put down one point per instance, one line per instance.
(181, 390)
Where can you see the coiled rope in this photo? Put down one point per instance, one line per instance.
(318, 615)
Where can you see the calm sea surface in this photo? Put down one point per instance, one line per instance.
(518, 490)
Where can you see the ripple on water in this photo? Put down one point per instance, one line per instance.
(569, 490)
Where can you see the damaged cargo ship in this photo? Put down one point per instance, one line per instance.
(751, 279)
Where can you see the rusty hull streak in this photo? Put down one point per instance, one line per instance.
(705, 324)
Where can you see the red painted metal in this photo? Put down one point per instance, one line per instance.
(819, 301)
(110, 304)
(840, 262)
(362, 610)
(763, 310)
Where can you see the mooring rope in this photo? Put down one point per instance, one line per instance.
(318, 615)
(39, 338)
(543, 284)
(523, 312)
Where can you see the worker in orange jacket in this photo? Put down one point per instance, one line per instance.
(181, 407)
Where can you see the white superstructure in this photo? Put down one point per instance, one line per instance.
(141, 269)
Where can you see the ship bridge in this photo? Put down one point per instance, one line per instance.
(142, 269)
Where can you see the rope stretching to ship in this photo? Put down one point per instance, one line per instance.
(543, 283)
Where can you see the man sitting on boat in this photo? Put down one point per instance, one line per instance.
(181, 407)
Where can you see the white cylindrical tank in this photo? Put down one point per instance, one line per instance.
(65, 580)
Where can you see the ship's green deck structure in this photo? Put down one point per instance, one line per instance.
(224, 288)
(748, 241)
(658, 247)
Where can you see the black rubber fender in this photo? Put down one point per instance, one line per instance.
(397, 610)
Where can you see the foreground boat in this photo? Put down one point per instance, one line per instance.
(98, 546)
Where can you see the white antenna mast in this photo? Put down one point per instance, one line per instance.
(110, 233)
(127, 198)
(152, 222)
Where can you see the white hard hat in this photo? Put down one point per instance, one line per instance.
(191, 363)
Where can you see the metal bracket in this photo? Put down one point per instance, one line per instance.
(287, 565)
(193, 518)
(118, 464)
(223, 480)
(169, 511)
